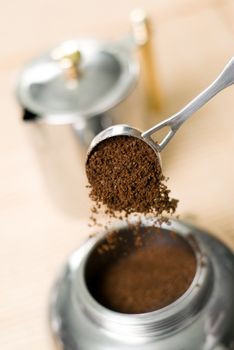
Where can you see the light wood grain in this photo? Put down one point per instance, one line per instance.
(193, 40)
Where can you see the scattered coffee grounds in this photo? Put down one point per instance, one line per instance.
(138, 280)
(124, 173)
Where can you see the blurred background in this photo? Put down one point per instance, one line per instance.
(192, 41)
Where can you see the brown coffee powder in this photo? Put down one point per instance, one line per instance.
(124, 173)
(138, 280)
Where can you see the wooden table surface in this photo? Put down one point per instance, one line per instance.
(193, 41)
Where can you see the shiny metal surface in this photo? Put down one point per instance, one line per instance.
(225, 79)
(108, 73)
(201, 319)
(121, 130)
(63, 115)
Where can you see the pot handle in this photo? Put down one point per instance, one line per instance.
(143, 37)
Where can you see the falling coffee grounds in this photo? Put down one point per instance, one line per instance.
(124, 174)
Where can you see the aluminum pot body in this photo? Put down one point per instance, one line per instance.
(201, 319)
(61, 149)
(63, 116)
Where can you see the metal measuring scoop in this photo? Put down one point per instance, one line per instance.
(225, 79)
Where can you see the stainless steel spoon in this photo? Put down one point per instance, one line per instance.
(225, 79)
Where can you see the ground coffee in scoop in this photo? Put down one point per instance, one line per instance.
(124, 173)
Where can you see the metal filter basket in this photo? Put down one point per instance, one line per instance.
(201, 319)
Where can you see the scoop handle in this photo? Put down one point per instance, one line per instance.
(225, 79)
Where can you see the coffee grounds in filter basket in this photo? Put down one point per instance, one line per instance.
(137, 280)
(124, 173)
